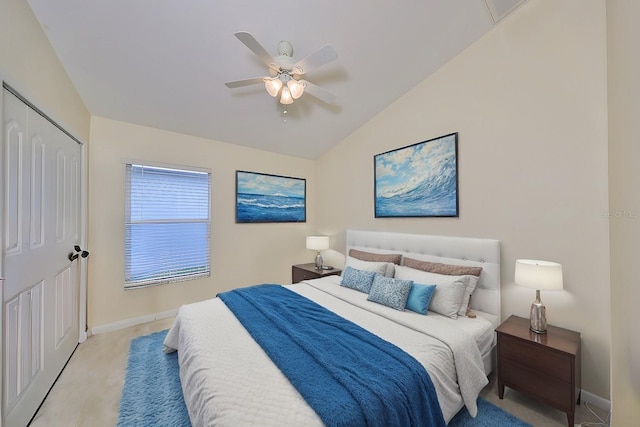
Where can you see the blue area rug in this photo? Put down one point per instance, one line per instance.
(489, 415)
(152, 395)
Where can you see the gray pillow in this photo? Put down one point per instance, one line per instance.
(375, 257)
(436, 267)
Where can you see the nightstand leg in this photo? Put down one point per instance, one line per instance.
(570, 418)
(500, 390)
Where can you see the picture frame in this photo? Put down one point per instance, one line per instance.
(418, 180)
(262, 197)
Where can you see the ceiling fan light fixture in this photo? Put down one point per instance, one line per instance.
(272, 85)
(296, 88)
(286, 97)
(285, 79)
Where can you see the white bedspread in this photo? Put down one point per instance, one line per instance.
(228, 380)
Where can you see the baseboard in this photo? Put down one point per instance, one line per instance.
(595, 400)
(121, 324)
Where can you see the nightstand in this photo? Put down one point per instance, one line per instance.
(543, 366)
(308, 271)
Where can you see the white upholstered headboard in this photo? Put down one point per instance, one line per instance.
(474, 252)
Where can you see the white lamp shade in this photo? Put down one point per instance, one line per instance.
(285, 97)
(272, 85)
(542, 275)
(296, 88)
(318, 243)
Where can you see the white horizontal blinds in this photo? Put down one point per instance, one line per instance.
(167, 225)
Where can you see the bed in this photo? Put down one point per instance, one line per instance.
(228, 379)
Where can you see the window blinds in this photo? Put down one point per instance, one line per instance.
(167, 225)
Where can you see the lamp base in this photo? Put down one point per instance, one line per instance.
(538, 316)
(319, 261)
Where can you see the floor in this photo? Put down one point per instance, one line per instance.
(88, 390)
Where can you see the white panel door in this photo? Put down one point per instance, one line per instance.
(41, 226)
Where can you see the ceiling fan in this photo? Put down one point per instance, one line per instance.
(285, 74)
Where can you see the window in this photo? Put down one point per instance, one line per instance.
(167, 225)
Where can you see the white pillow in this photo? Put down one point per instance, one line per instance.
(449, 291)
(387, 269)
(472, 282)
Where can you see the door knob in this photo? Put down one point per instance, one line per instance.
(78, 253)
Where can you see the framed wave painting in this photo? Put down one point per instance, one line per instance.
(420, 180)
(270, 198)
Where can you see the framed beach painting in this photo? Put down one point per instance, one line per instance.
(419, 180)
(270, 198)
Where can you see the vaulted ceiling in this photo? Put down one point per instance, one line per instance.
(164, 63)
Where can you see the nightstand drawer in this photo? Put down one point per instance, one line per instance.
(536, 358)
(538, 383)
(301, 275)
(308, 271)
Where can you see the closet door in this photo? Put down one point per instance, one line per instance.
(41, 179)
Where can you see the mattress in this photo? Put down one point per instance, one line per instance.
(481, 328)
(228, 380)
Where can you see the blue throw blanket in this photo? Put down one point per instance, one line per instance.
(348, 375)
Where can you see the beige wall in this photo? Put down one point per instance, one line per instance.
(529, 103)
(29, 64)
(241, 254)
(624, 187)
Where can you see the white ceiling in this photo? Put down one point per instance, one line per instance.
(164, 63)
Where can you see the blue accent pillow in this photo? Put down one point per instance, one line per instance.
(420, 297)
(359, 280)
(390, 292)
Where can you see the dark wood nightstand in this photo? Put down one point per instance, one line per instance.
(544, 366)
(302, 272)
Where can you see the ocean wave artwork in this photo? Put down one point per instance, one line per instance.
(418, 180)
(269, 198)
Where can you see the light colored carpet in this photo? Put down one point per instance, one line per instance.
(88, 391)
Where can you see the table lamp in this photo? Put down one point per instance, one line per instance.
(538, 275)
(318, 243)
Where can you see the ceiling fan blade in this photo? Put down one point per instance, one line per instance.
(255, 47)
(245, 82)
(318, 92)
(317, 59)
